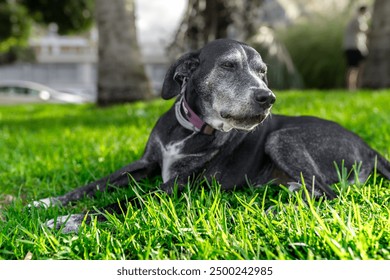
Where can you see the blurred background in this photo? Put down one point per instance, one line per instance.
(118, 51)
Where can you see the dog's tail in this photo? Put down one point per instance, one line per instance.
(383, 166)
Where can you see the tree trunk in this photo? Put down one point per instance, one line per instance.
(376, 71)
(207, 20)
(121, 73)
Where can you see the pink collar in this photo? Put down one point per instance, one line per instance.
(190, 120)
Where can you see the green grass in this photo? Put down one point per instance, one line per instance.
(47, 150)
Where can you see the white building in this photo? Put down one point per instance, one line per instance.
(68, 63)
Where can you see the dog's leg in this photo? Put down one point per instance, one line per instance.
(291, 154)
(313, 149)
(71, 223)
(136, 171)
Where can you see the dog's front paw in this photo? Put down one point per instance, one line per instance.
(67, 224)
(45, 202)
(294, 186)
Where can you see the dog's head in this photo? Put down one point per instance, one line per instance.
(226, 83)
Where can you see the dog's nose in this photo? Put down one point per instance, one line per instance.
(264, 96)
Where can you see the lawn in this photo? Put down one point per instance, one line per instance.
(47, 150)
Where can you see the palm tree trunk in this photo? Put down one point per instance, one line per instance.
(206, 20)
(376, 71)
(121, 73)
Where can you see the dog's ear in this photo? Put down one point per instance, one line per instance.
(177, 72)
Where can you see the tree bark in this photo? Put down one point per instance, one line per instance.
(207, 20)
(376, 70)
(121, 73)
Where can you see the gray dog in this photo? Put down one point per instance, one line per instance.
(220, 128)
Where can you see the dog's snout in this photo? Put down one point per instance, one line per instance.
(264, 97)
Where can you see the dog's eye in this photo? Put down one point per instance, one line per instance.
(262, 72)
(228, 65)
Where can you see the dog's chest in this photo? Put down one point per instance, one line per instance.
(171, 153)
(175, 161)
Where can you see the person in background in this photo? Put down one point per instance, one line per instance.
(355, 45)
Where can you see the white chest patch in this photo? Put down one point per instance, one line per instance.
(172, 153)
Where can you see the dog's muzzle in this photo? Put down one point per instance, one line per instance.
(249, 116)
(245, 123)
